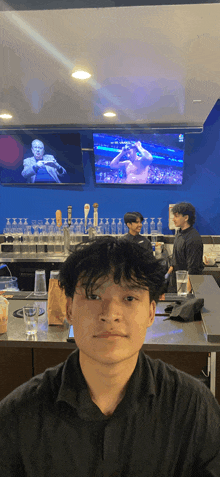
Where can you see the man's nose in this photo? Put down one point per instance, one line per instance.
(111, 312)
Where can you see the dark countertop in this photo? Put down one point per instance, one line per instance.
(162, 335)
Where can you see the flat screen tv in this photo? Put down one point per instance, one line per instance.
(139, 158)
(40, 157)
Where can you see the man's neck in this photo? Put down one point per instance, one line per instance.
(184, 227)
(133, 233)
(107, 383)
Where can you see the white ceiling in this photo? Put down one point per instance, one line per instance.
(148, 63)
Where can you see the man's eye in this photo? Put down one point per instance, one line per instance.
(130, 298)
(93, 297)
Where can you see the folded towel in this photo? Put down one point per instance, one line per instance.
(187, 311)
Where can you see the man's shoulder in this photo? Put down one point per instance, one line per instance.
(174, 383)
(42, 389)
(193, 235)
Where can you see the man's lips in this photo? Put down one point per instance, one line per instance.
(107, 334)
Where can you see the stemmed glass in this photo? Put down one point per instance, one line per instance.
(81, 226)
(65, 223)
(145, 226)
(47, 223)
(107, 227)
(113, 227)
(14, 226)
(25, 224)
(119, 227)
(8, 226)
(101, 225)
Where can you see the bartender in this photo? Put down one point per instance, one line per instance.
(134, 220)
(188, 246)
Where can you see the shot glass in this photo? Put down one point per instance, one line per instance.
(30, 314)
(40, 283)
(181, 282)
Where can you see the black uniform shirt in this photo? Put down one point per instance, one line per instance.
(167, 425)
(188, 251)
(143, 241)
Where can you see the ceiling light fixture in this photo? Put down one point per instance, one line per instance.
(5, 116)
(197, 100)
(80, 74)
(109, 114)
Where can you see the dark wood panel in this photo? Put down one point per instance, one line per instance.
(15, 368)
(191, 363)
(46, 358)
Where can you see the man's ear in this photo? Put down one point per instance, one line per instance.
(152, 312)
(69, 303)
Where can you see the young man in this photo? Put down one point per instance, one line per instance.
(188, 246)
(134, 220)
(135, 160)
(110, 410)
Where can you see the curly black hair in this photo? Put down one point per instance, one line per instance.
(125, 261)
(185, 208)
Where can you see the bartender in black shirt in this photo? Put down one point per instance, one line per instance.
(110, 410)
(188, 246)
(134, 220)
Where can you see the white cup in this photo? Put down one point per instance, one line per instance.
(30, 314)
(181, 282)
(40, 283)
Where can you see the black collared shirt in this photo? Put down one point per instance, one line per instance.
(167, 425)
(143, 241)
(188, 251)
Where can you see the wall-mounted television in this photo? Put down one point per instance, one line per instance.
(139, 158)
(40, 157)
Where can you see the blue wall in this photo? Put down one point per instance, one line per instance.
(201, 187)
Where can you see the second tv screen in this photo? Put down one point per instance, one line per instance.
(150, 158)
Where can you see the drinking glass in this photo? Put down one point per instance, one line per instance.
(181, 282)
(107, 227)
(113, 227)
(30, 314)
(14, 226)
(145, 226)
(119, 227)
(101, 225)
(40, 283)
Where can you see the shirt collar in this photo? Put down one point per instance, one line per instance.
(185, 231)
(74, 391)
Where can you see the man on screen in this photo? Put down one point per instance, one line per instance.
(41, 167)
(136, 164)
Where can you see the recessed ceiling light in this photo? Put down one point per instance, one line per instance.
(80, 74)
(109, 114)
(5, 116)
(197, 100)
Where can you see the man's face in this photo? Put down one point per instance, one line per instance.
(181, 220)
(110, 325)
(135, 227)
(38, 150)
(131, 154)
